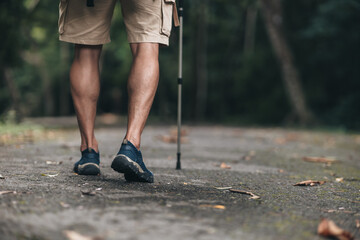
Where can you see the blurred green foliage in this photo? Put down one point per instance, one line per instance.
(242, 87)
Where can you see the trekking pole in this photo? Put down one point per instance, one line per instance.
(178, 163)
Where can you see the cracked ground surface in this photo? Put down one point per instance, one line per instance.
(48, 199)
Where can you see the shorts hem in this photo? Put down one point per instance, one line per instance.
(83, 41)
(141, 39)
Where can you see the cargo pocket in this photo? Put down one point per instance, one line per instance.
(62, 15)
(167, 7)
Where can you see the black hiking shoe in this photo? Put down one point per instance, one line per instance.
(130, 162)
(89, 163)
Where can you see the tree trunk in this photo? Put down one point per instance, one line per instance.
(14, 93)
(250, 27)
(36, 59)
(64, 97)
(201, 62)
(272, 14)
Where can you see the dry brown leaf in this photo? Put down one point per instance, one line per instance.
(309, 183)
(253, 196)
(88, 192)
(72, 235)
(223, 188)
(328, 228)
(174, 132)
(224, 166)
(280, 141)
(7, 192)
(64, 205)
(249, 156)
(319, 159)
(340, 179)
(53, 163)
(173, 136)
(172, 139)
(252, 153)
(331, 210)
(222, 207)
(357, 223)
(49, 175)
(109, 118)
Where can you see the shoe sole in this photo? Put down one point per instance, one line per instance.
(132, 170)
(88, 169)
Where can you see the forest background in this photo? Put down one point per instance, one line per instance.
(264, 62)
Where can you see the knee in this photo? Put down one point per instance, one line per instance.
(148, 51)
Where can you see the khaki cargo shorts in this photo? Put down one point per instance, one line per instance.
(145, 21)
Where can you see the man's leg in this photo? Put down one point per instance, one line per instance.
(142, 84)
(85, 87)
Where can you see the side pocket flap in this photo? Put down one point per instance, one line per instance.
(62, 13)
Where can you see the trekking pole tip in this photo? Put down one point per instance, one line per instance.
(178, 163)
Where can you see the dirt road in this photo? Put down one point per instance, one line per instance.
(46, 200)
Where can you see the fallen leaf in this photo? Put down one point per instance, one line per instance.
(53, 163)
(309, 183)
(328, 228)
(88, 192)
(280, 141)
(331, 210)
(249, 156)
(64, 205)
(109, 118)
(357, 223)
(253, 196)
(173, 136)
(72, 235)
(174, 132)
(319, 159)
(49, 175)
(2, 177)
(7, 192)
(340, 179)
(224, 166)
(213, 206)
(252, 153)
(223, 188)
(172, 139)
(281, 170)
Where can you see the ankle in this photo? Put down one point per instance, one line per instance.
(134, 141)
(86, 146)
